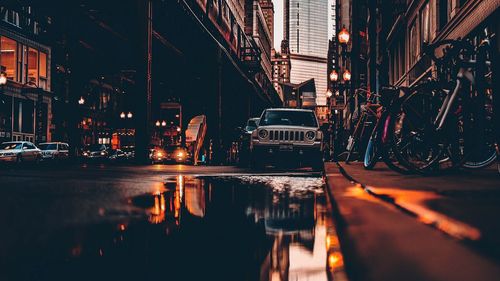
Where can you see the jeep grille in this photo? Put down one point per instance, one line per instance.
(286, 135)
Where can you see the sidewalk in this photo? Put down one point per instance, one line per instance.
(409, 227)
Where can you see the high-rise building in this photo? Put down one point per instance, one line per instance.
(281, 67)
(267, 7)
(306, 29)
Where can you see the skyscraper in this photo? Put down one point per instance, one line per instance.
(306, 29)
(267, 7)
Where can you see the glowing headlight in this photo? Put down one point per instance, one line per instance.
(103, 153)
(159, 154)
(85, 154)
(310, 135)
(263, 134)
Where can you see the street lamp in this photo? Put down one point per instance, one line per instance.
(334, 76)
(157, 123)
(129, 115)
(347, 75)
(163, 123)
(122, 115)
(81, 101)
(344, 36)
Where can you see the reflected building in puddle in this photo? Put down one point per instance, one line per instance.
(222, 227)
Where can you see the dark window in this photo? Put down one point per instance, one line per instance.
(48, 146)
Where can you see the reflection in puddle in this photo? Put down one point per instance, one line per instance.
(267, 228)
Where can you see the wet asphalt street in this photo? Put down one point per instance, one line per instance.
(160, 222)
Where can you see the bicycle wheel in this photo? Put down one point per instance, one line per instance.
(385, 145)
(415, 142)
(371, 152)
(480, 125)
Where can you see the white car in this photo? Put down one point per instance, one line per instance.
(19, 151)
(287, 136)
(54, 150)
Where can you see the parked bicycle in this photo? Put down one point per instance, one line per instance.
(447, 123)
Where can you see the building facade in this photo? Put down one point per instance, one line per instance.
(432, 21)
(281, 67)
(26, 100)
(267, 7)
(306, 29)
(257, 28)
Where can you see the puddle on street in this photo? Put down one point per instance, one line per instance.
(228, 228)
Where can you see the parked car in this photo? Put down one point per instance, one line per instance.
(54, 150)
(96, 152)
(244, 140)
(170, 153)
(286, 135)
(129, 151)
(117, 155)
(19, 151)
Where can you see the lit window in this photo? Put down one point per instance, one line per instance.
(33, 66)
(8, 54)
(43, 70)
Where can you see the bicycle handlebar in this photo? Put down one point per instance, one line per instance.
(455, 47)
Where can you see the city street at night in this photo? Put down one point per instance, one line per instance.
(249, 140)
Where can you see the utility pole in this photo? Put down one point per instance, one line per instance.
(143, 90)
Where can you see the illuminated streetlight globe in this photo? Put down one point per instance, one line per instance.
(3, 79)
(157, 123)
(81, 100)
(163, 123)
(122, 115)
(129, 115)
(178, 129)
(347, 75)
(329, 93)
(344, 36)
(334, 76)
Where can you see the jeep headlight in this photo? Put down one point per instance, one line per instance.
(263, 134)
(310, 135)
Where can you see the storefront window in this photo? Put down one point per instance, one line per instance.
(32, 66)
(8, 56)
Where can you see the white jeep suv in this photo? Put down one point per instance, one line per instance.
(289, 136)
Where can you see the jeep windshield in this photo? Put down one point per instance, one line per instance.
(289, 118)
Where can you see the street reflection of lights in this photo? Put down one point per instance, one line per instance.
(331, 241)
(335, 261)
(158, 210)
